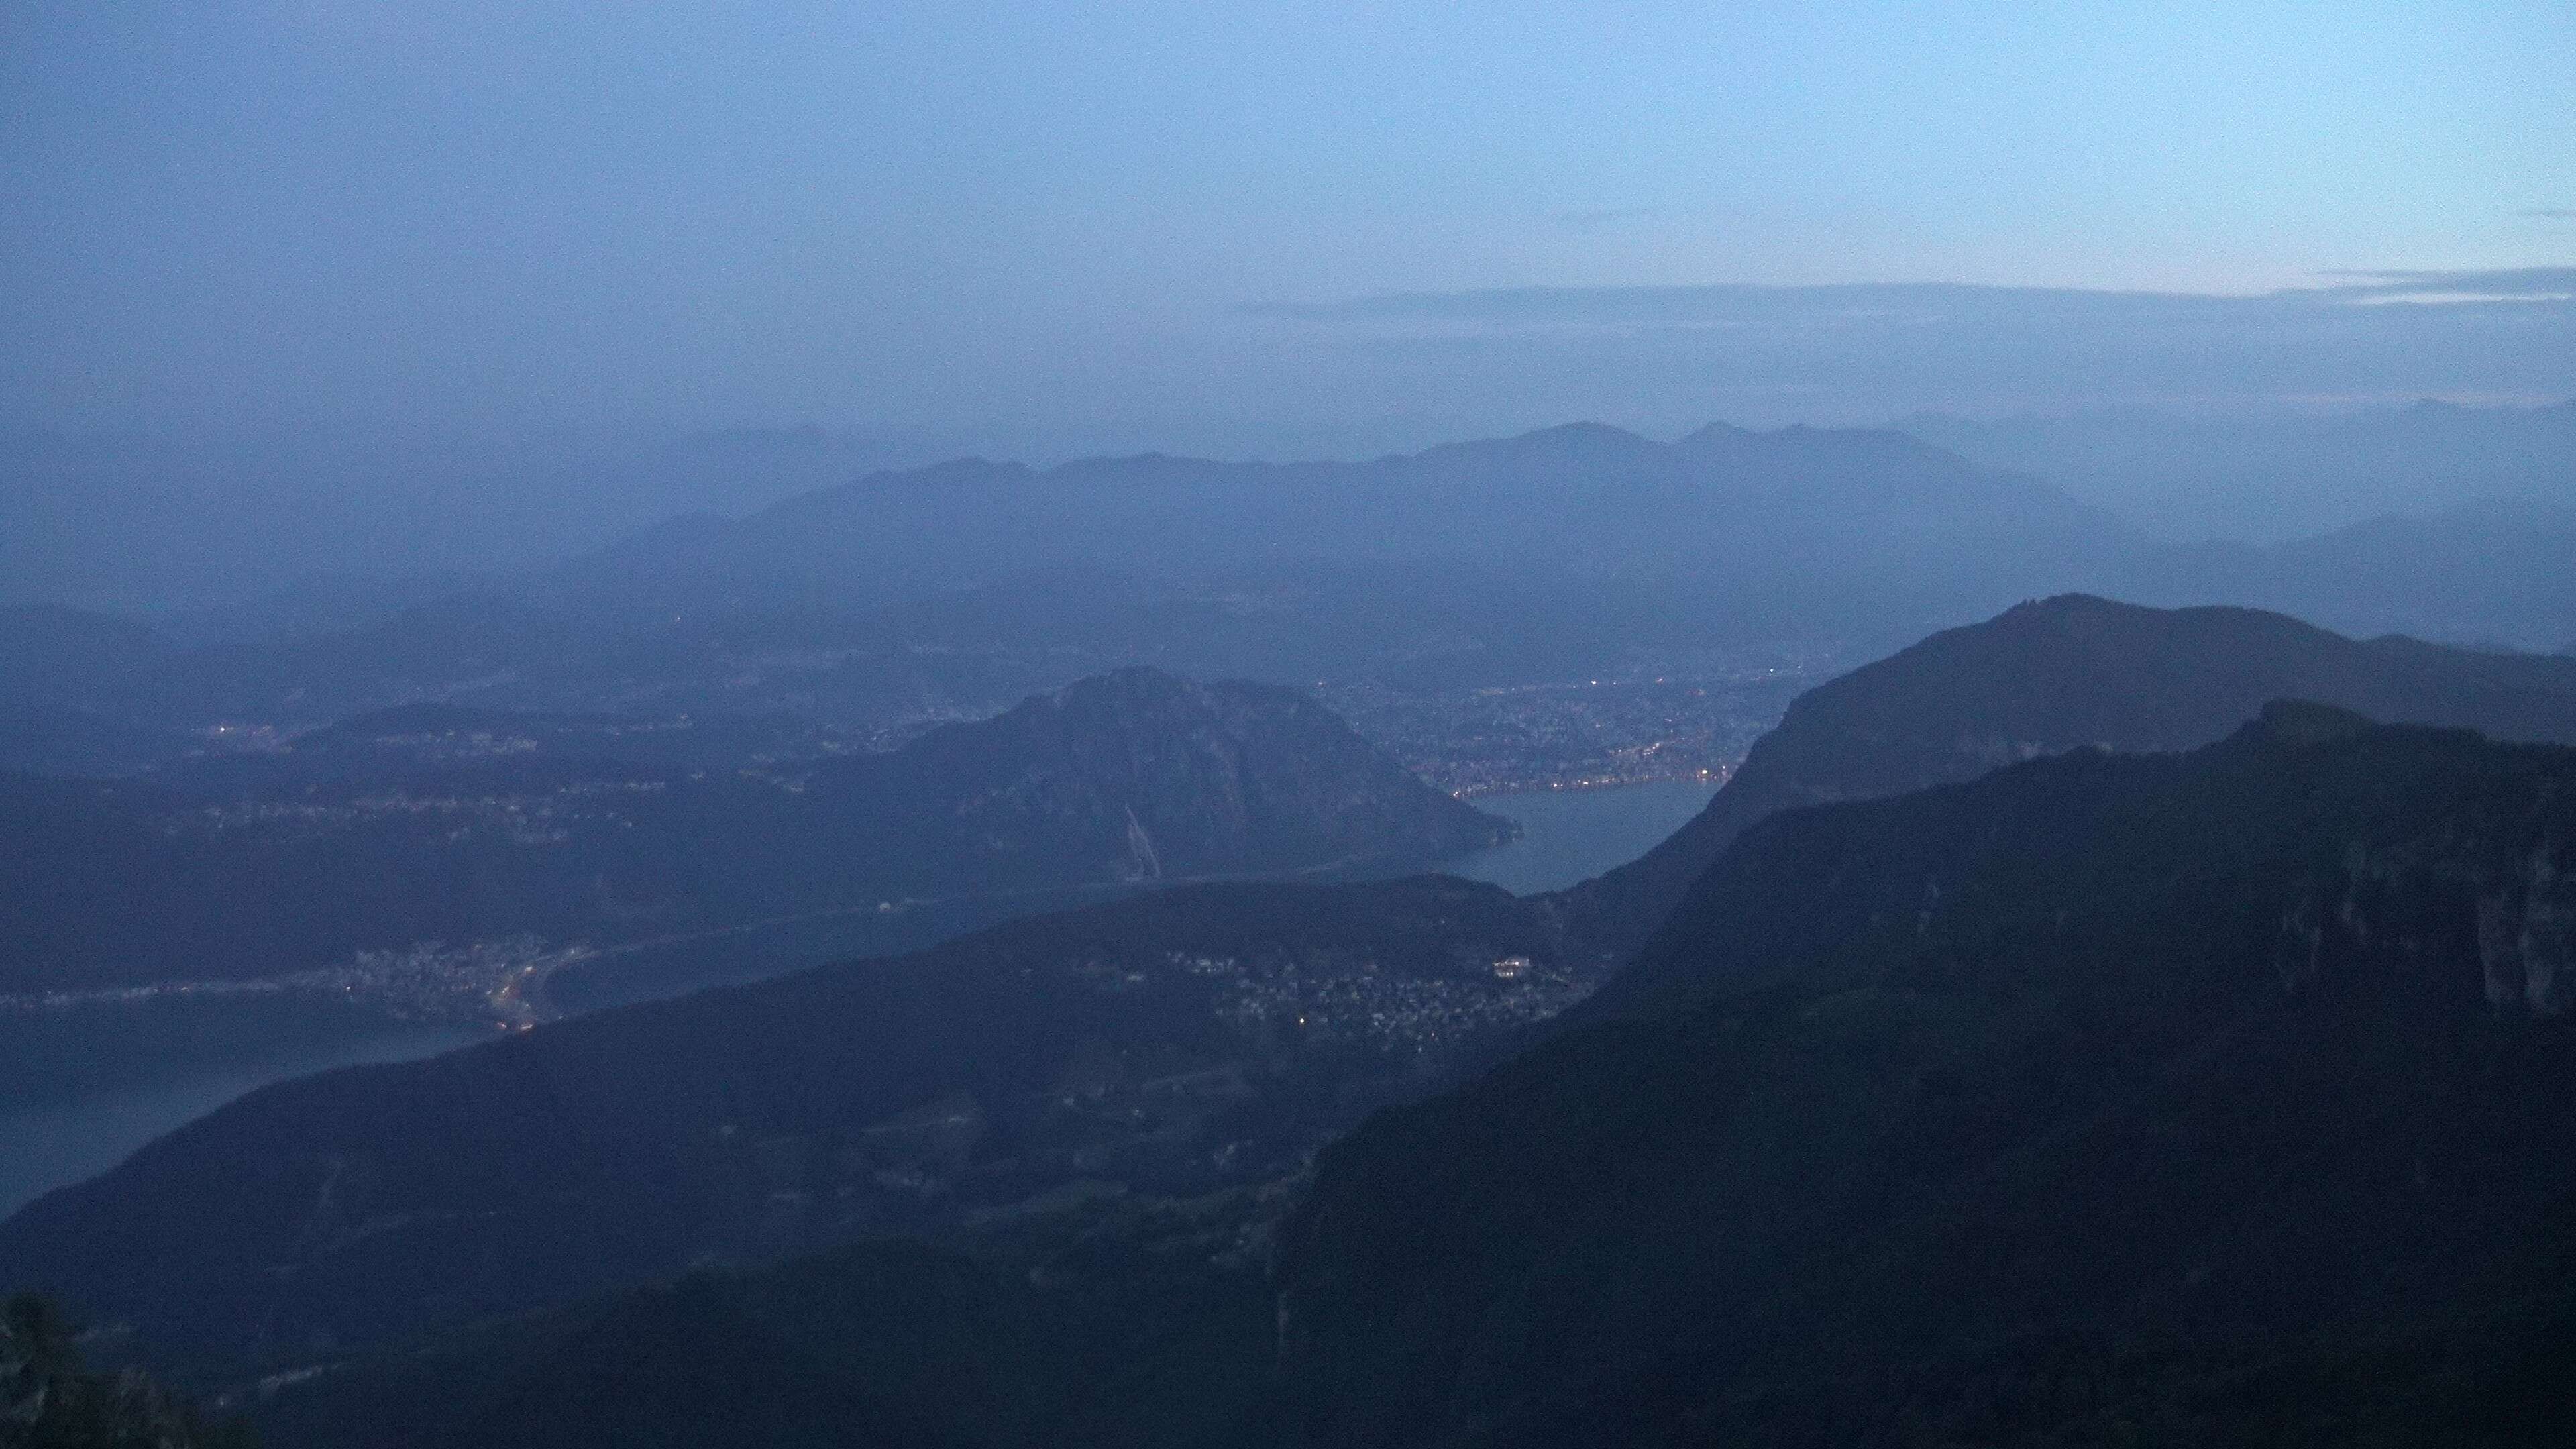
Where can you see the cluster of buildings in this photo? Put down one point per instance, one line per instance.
(1570, 735)
(1395, 1010)
(500, 982)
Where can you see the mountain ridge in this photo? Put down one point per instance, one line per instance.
(1107, 783)
(2054, 674)
(2101, 1095)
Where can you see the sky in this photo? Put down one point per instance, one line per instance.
(1211, 225)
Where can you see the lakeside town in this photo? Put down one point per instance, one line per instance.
(1576, 734)
(500, 982)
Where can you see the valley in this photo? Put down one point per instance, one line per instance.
(1097, 1072)
(1287, 727)
(74, 1103)
(578, 950)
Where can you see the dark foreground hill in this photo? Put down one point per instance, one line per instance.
(2107, 1100)
(2205, 1098)
(1134, 1324)
(1165, 1046)
(1128, 778)
(2066, 672)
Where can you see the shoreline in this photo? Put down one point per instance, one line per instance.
(1715, 779)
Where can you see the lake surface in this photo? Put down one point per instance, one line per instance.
(85, 1099)
(82, 1088)
(1574, 835)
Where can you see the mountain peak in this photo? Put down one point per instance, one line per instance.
(1563, 442)
(2054, 674)
(1577, 434)
(2306, 722)
(2071, 606)
(1711, 436)
(1878, 442)
(1131, 684)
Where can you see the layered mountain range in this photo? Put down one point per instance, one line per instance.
(1567, 553)
(1556, 554)
(2279, 477)
(962, 586)
(1759, 510)
(1933, 986)
(2106, 1099)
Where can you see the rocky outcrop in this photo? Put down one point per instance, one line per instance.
(2527, 938)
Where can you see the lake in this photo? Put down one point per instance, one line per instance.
(89, 1085)
(83, 1088)
(1574, 835)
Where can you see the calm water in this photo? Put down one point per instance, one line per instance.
(1574, 835)
(81, 1089)
(81, 1103)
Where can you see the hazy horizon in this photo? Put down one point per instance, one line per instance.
(144, 524)
(456, 285)
(1182, 224)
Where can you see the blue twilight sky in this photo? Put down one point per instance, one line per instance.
(1251, 228)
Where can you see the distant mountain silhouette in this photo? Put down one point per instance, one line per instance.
(1742, 514)
(2488, 572)
(72, 657)
(2179, 1098)
(70, 690)
(321, 603)
(1553, 555)
(317, 524)
(2281, 476)
(2061, 673)
(1564, 553)
(448, 834)
(49, 739)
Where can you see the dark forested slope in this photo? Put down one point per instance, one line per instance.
(2060, 673)
(2107, 1099)
(1170, 1044)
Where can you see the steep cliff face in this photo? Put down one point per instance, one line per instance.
(2211, 1095)
(2064, 673)
(2527, 940)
